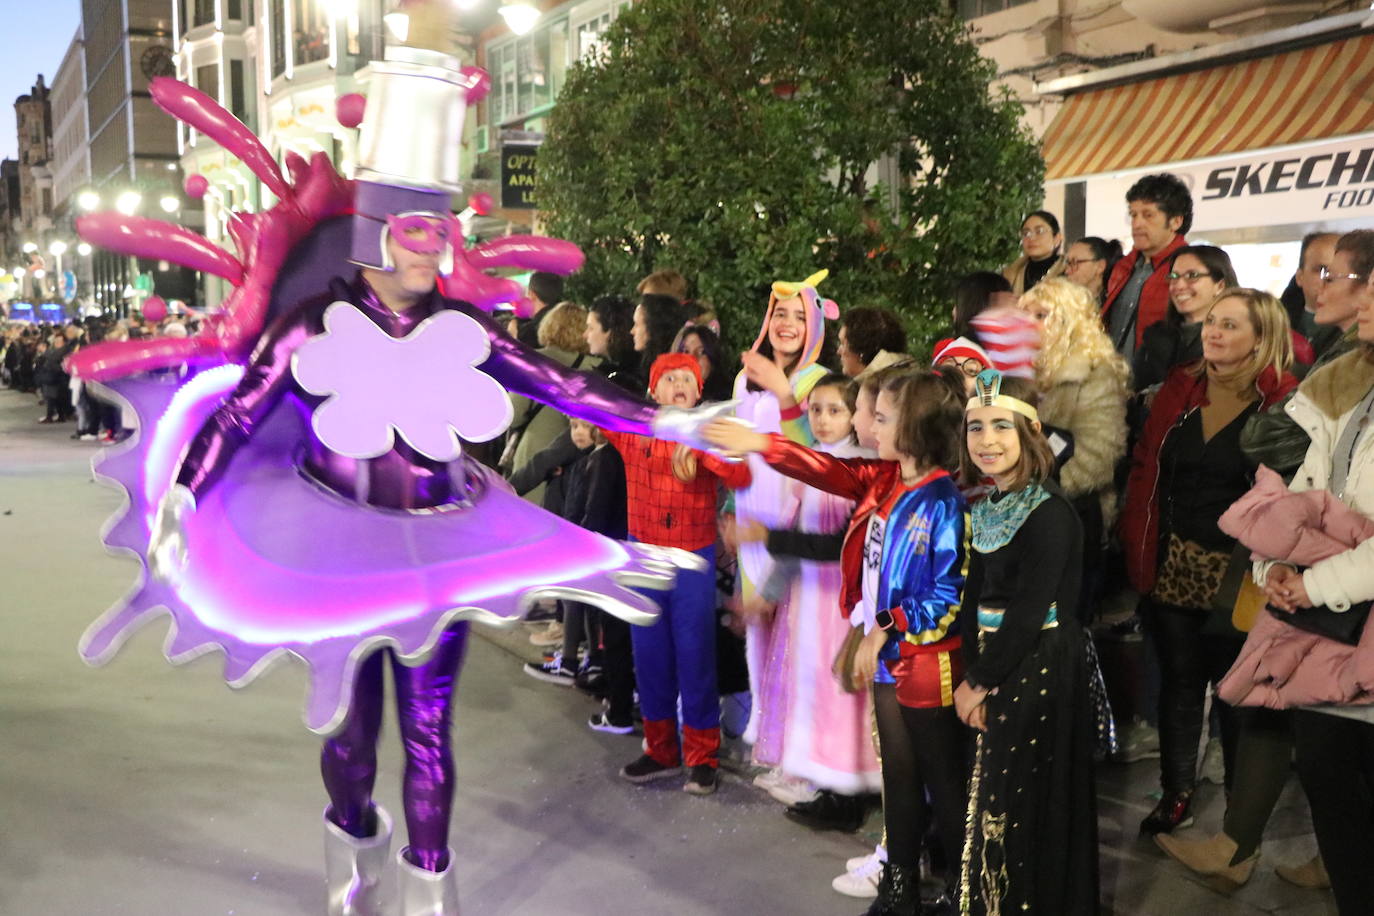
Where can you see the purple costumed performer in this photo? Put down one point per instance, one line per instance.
(317, 502)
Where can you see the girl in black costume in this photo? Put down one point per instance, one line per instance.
(1031, 834)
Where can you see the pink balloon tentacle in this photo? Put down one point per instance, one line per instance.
(193, 107)
(532, 252)
(151, 238)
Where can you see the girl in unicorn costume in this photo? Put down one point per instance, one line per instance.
(779, 373)
(317, 500)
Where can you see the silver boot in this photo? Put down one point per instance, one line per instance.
(426, 893)
(353, 867)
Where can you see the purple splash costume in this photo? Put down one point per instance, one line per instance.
(405, 479)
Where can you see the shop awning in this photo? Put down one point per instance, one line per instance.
(1308, 94)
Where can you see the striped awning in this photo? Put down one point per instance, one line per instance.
(1310, 94)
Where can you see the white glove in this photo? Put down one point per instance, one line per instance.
(167, 545)
(684, 425)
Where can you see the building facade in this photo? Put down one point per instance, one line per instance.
(71, 173)
(1258, 107)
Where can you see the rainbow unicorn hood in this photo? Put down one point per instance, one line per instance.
(817, 310)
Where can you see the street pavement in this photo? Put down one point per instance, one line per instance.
(140, 788)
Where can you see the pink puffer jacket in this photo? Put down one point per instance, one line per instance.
(1281, 666)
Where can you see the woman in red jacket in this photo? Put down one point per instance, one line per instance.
(1186, 470)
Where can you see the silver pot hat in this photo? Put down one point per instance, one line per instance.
(409, 161)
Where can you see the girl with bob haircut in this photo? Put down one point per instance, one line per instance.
(906, 539)
(1031, 834)
(1186, 471)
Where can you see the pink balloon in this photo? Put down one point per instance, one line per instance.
(154, 308)
(196, 186)
(349, 109)
(531, 252)
(479, 83)
(151, 238)
(481, 203)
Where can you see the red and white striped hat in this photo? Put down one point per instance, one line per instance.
(1011, 339)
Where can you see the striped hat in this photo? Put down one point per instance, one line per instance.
(1011, 339)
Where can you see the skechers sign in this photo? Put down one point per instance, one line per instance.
(1298, 185)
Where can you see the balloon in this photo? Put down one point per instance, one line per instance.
(481, 203)
(151, 238)
(349, 109)
(196, 186)
(479, 83)
(531, 252)
(154, 309)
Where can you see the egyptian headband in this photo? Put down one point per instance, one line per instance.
(987, 392)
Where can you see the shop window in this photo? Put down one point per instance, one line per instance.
(203, 12)
(527, 72)
(277, 25)
(238, 93)
(207, 80)
(233, 9)
(310, 32)
(972, 9)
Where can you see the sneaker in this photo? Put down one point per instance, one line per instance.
(1213, 768)
(792, 791)
(552, 672)
(1139, 741)
(858, 861)
(647, 769)
(862, 880)
(769, 779)
(88, 437)
(551, 635)
(592, 680)
(600, 723)
(702, 779)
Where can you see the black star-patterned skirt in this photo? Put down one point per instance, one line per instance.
(1031, 834)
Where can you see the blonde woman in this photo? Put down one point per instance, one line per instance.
(1084, 385)
(561, 337)
(1186, 470)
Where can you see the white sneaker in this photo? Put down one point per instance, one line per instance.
(859, 861)
(793, 791)
(768, 779)
(861, 882)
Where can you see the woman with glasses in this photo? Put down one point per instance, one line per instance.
(1040, 258)
(1197, 275)
(1089, 262)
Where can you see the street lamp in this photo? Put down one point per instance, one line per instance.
(169, 203)
(84, 249)
(58, 248)
(30, 247)
(19, 273)
(88, 200)
(520, 15)
(128, 202)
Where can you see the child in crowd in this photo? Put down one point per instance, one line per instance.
(825, 736)
(672, 503)
(1031, 841)
(907, 537)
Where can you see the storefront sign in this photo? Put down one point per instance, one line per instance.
(517, 175)
(1301, 185)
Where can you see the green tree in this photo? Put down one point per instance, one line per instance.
(737, 141)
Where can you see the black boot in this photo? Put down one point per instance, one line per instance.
(830, 811)
(898, 892)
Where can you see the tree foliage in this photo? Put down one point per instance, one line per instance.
(736, 141)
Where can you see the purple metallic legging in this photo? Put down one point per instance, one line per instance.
(424, 704)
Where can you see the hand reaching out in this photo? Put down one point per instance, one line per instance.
(734, 437)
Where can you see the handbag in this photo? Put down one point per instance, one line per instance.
(1342, 626)
(1239, 600)
(843, 665)
(1191, 575)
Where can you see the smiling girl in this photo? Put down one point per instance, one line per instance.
(779, 373)
(1031, 831)
(906, 538)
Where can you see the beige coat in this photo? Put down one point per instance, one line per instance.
(1015, 272)
(1089, 400)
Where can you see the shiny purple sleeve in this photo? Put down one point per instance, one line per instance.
(584, 395)
(266, 379)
